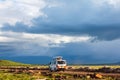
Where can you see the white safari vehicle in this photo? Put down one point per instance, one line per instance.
(58, 64)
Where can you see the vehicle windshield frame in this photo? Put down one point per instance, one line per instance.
(61, 62)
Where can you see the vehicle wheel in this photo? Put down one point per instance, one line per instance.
(50, 70)
(55, 69)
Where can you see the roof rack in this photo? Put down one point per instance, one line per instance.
(58, 58)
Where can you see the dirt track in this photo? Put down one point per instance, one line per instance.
(71, 72)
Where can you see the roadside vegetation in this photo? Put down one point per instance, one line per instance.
(94, 66)
(10, 70)
(12, 76)
(11, 63)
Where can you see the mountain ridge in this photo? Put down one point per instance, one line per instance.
(11, 63)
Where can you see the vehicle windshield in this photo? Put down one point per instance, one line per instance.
(61, 62)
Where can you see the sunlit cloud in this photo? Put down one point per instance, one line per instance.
(112, 3)
(22, 11)
(42, 39)
(77, 28)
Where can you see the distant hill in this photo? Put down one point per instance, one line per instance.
(11, 63)
(118, 63)
(29, 59)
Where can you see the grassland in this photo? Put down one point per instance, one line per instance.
(4, 75)
(25, 74)
(11, 63)
(12, 76)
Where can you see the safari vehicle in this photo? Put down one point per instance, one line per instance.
(58, 64)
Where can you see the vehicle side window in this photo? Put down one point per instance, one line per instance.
(54, 62)
(51, 62)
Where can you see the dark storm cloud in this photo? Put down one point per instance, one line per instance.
(23, 48)
(101, 32)
(100, 52)
(75, 53)
(6, 49)
(78, 17)
(93, 18)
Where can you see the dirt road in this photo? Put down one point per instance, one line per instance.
(73, 72)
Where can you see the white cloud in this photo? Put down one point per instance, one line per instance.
(12, 11)
(46, 40)
(38, 44)
(54, 3)
(113, 3)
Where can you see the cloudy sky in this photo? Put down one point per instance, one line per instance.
(82, 31)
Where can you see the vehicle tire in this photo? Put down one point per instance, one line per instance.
(63, 70)
(55, 70)
(50, 69)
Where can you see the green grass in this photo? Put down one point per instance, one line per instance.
(12, 76)
(11, 63)
(5, 75)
